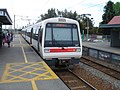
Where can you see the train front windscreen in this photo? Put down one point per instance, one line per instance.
(61, 35)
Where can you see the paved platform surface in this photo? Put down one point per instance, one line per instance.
(105, 46)
(22, 69)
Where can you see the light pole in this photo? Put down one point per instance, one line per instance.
(21, 18)
(87, 27)
(14, 25)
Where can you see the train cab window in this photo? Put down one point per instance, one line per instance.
(61, 35)
(75, 35)
(48, 34)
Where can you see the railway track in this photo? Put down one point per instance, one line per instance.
(109, 71)
(73, 81)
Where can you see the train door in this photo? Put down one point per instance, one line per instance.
(31, 35)
(25, 33)
(40, 39)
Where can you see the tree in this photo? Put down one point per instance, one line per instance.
(55, 13)
(108, 12)
(68, 14)
(85, 21)
(51, 13)
(116, 8)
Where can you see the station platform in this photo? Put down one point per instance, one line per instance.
(104, 46)
(21, 68)
(102, 51)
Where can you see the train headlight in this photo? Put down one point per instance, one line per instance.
(46, 50)
(78, 50)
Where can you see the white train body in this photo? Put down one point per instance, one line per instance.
(58, 40)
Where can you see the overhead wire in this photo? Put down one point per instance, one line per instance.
(93, 6)
(11, 4)
(76, 4)
(86, 7)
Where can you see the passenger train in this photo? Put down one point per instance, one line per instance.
(57, 40)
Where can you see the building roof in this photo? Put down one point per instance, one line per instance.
(115, 20)
(4, 17)
(109, 26)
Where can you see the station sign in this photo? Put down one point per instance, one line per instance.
(4, 17)
(86, 27)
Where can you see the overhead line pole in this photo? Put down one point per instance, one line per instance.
(14, 25)
(22, 19)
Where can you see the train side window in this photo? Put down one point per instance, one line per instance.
(31, 31)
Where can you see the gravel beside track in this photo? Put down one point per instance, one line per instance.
(102, 68)
(104, 62)
(97, 78)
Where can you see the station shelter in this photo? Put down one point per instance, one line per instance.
(4, 20)
(114, 26)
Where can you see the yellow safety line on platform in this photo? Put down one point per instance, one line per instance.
(49, 69)
(34, 86)
(8, 75)
(26, 61)
(5, 73)
(19, 45)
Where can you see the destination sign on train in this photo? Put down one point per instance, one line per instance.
(58, 25)
(62, 20)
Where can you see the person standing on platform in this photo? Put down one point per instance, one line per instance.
(3, 35)
(1, 39)
(11, 34)
(8, 40)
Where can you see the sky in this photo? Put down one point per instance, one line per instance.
(30, 10)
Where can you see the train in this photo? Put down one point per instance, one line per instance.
(57, 40)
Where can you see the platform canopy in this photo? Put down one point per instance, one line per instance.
(114, 23)
(4, 17)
